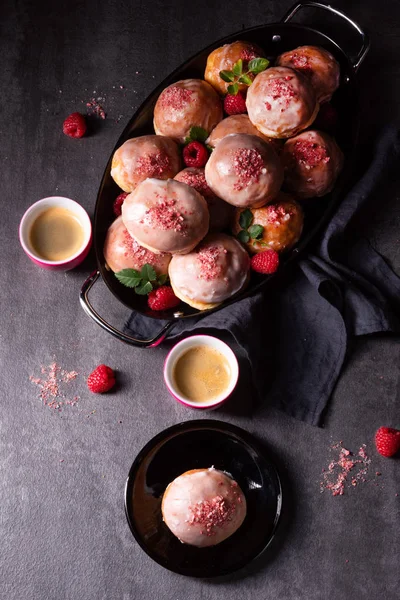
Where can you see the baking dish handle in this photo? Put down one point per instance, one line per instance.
(123, 337)
(365, 43)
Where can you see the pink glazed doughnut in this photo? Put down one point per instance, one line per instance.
(143, 157)
(203, 507)
(166, 216)
(215, 271)
(244, 170)
(184, 104)
(312, 163)
(318, 65)
(221, 212)
(121, 251)
(281, 102)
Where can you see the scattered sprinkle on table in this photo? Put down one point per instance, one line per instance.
(347, 470)
(52, 382)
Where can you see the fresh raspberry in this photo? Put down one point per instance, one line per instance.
(162, 298)
(266, 262)
(101, 379)
(387, 441)
(195, 155)
(327, 118)
(235, 105)
(118, 202)
(75, 125)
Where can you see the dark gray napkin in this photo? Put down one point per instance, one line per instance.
(295, 335)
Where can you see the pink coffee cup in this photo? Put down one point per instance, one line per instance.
(34, 211)
(193, 341)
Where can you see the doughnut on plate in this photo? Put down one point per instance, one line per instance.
(196, 445)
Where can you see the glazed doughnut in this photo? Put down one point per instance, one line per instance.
(143, 157)
(166, 216)
(223, 59)
(203, 507)
(184, 104)
(281, 102)
(215, 271)
(121, 251)
(244, 170)
(312, 163)
(238, 124)
(220, 211)
(282, 221)
(316, 63)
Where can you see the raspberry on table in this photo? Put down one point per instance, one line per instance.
(235, 105)
(162, 298)
(195, 154)
(387, 441)
(75, 125)
(101, 380)
(266, 262)
(118, 202)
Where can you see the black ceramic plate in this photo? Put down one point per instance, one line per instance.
(194, 445)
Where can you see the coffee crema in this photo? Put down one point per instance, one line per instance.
(201, 374)
(56, 234)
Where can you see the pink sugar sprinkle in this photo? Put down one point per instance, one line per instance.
(279, 89)
(301, 62)
(141, 255)
(153, 165)
(211, 514)
(196, 181)
(309, 153)
(208, 258)
(175, 97)
(336, 478)
(51, 392)
(248, 165)
(249, 53)
(95, 108)
(277, 214)
(165, 216)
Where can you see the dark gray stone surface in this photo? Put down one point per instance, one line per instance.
(62, 523)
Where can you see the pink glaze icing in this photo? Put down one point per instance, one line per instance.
(281, 102)
(318, 65)
(184, 104)
(237, 124)
(244, 170)
(216, 270)
(312, 162)
(142, 157)
(221, 212)
(203, 507)
(166, 216)
(121, 251)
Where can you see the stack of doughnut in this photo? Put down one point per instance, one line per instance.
(185, 221)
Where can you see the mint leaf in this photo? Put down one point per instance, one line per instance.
(129, 277)
(257, 65)
(198, 134)
(162, 279)
(233, 89)
(148, 273)
(256, 232)
(227, 76)
(144, 289)
(243, 236)
(246, 218)
(237, 68)
(209, 148)
(245, 79)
